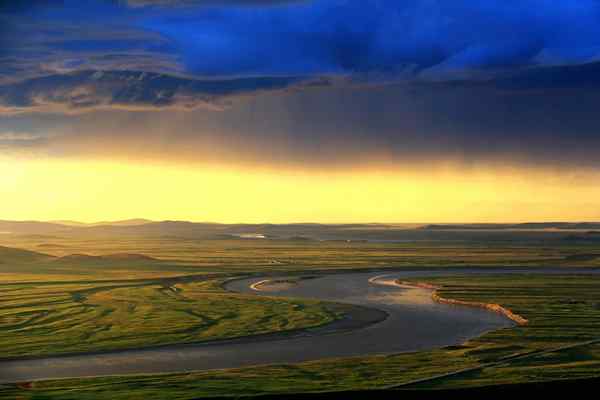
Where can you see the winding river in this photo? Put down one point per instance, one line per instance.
(389, 319)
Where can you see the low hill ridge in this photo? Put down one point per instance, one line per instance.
(14, 254)
(80, 257)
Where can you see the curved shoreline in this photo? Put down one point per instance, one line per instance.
(256, 286)
(375, 322)
(497, 308)
(354, 317)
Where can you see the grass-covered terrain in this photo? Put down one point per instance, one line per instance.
(562, 310)
(48, 319)
(343, 374)
(63, 294)
(85, 258)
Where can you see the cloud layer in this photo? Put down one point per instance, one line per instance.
(366, 41)
(325, 83)
(79, 91)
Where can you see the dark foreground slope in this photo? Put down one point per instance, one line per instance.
(524, 390)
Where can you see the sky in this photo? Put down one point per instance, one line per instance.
(298, 110)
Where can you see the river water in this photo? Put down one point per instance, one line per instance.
(397, 320)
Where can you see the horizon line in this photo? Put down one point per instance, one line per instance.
(148, 221)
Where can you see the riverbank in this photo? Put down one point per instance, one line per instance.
(372, 322)
(497, 308)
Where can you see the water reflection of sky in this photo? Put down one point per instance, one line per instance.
(399, 294)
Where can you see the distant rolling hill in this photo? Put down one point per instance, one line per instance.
(59, 227)
(201, 230)
(372, 232)
(12, 255)
(128, 257)
(31, 227)
(19, 265)
(526, 225)
(205, 230)
(16, 255)
(125, 222)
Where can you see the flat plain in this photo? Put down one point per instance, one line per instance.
(66, 294)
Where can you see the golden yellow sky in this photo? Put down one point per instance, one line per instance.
(52, 189)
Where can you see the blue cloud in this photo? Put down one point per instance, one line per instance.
(84, 90)
(349, 37)
(326, 36)
(352, 40)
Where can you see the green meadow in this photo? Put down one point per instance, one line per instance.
(52, 302)
(521, 354)
(119, 257)
(81, 317)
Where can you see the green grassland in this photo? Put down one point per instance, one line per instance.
(175, 256)
(331, 375)
(69, 294)
(65, 318)
(563, 310)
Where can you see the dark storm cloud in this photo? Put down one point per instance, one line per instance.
(383, 39)
(400, 81)
(189, 3)
(79, 91)
(401, 126)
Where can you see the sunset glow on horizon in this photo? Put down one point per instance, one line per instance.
(91, 191)
(367, 111)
